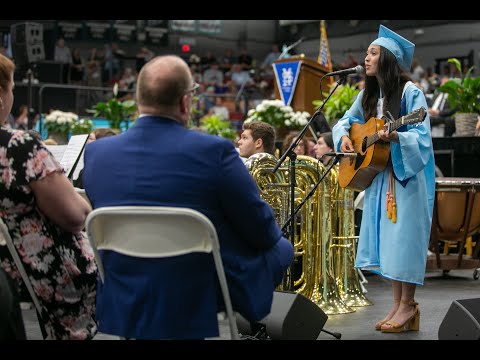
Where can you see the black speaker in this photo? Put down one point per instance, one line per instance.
(28, 32)
(462, 321)
(293, 317)
(27, 43)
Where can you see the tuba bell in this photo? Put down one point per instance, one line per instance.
(344, 246)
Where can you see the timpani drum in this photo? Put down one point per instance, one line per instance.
(458, 206)
(456, 215)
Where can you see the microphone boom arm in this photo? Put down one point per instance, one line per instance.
(300, 136)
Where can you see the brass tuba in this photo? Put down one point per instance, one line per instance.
(325, 292)
(273, 187)
(317, 281)
(344, 246)
(313, 273)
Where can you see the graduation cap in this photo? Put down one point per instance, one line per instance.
(400, 47)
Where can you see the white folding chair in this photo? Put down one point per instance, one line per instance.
(21, 268)
(155, 232)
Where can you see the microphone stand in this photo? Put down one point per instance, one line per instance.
(336, 159)
(30, 112)
(288, 281)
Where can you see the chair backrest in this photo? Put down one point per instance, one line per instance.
(156, 232)
(20, 267)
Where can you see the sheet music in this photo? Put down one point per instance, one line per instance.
(57, 151)
(73, 151)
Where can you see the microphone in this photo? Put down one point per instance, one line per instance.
(340, 154)
(357, 69)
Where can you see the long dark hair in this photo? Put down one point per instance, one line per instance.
(392, 79)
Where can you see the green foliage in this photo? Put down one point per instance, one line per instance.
(463, 93)
(115, 111)
(214, 125)
(82, 126)
(339, 102)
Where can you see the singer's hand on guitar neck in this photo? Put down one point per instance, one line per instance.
(383, 135)
(346, 145)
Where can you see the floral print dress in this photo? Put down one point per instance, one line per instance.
(59, 264)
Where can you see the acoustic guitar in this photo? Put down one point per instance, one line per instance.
(357, 173)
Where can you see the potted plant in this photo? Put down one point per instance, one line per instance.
(339, 102)
(82, 126)
(213, 124)
(115, 110)
(280, 116)
(463, 95)
(58, 124)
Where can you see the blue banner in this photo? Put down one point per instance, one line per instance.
(286, 74)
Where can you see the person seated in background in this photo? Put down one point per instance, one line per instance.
(219, 110)
(257, 137)
(100, 133)
(441, 115)
(310, 145)
(320, 124)
(300, 149)
(21, 120)
(178, 298)
(94, 135)
(50, 141)
(324, 145)
(267, 63)
(44, 216)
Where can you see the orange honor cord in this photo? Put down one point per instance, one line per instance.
(391, 201)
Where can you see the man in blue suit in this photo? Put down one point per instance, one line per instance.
(158, 162)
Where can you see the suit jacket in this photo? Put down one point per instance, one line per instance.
(159, 162)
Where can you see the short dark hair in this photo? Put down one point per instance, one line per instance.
(264, 131)
(328, 138)
(103, 132)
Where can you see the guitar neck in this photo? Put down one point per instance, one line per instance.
(391, 126)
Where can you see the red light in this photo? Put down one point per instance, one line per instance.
(185, 48)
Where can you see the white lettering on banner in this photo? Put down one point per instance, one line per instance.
(287, 77)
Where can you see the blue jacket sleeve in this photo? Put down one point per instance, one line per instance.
(251, 217)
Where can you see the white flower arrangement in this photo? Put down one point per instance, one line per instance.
(275, 113)
(60, 122)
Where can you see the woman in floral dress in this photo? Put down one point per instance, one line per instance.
(44, 216)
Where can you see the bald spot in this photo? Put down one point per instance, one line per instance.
(163, 81)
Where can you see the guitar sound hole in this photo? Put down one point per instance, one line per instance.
(364, 145)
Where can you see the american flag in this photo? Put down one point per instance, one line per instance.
(324, 54)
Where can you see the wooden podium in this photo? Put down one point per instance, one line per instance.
(308, 84)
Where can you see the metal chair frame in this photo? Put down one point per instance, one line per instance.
(156, 232)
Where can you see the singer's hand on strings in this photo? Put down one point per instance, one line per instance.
(346, 145)
(383, 135)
